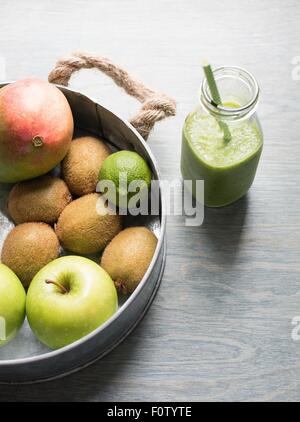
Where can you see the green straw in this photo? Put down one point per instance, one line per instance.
(216, 98)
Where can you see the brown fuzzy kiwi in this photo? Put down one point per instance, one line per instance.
(82, 229)
(42, 199)
(28, 248)
(82, 164)
(128, 256)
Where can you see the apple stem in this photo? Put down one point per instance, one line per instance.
(60, 286)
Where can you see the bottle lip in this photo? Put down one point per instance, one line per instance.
(229, 111)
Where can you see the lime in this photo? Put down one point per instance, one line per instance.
(129, 173)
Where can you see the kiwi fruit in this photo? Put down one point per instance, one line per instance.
(128, 256)
(38, 200)
(82, 164)
(28, 248)
(83, 228)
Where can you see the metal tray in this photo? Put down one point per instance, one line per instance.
(25, 359)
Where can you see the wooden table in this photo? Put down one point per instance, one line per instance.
(220, 327)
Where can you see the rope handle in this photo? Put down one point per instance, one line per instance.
(155, 105)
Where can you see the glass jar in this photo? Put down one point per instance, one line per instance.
(227, 164)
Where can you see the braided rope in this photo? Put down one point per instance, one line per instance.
(155, 106)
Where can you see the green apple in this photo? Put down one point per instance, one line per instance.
(12, 304)
(69, 298)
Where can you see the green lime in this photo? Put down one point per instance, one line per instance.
(129, 173)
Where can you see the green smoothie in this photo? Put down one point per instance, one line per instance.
(228, 167)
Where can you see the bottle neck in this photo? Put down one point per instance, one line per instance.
(239, 93)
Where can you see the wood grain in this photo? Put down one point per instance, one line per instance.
(220, 327)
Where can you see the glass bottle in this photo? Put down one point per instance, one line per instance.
(227, 164)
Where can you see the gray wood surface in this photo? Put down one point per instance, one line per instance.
(220, 327)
